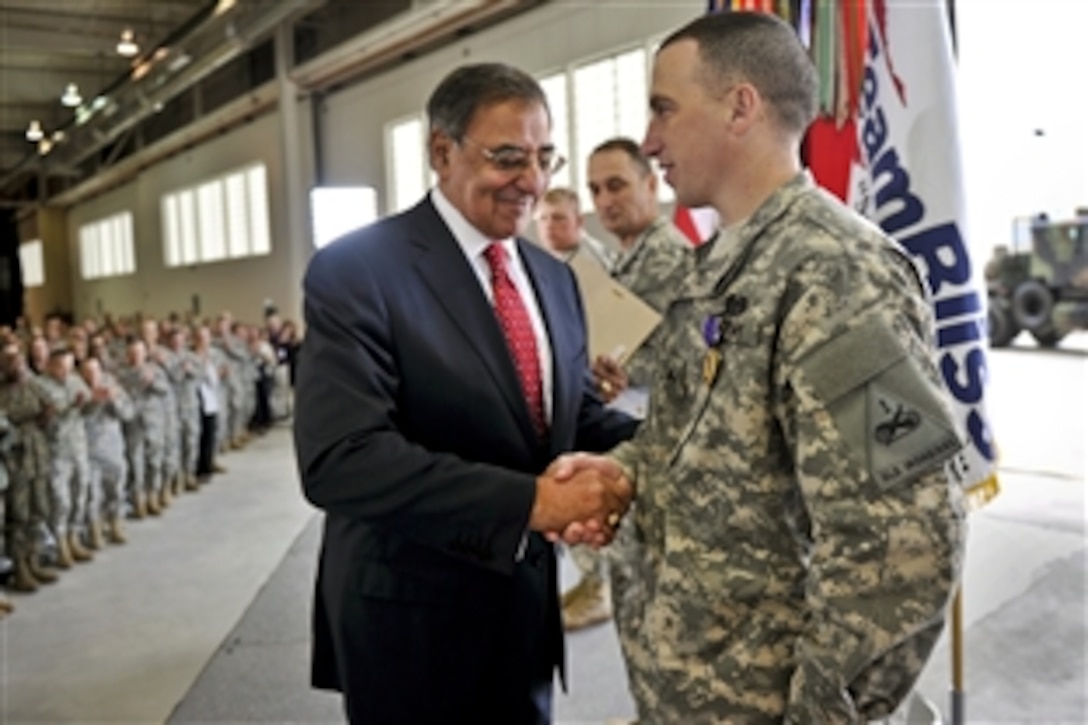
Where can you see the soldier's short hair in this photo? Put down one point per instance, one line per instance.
(628, 146)
(760, 49)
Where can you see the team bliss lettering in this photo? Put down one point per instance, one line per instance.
(940, 248)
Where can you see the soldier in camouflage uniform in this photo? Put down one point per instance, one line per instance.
(171, 442)
(28, 467)
(70, 472)
(109, 409)
(560, 229)
(797, 537)
(231, 424)
(653, 256)
(654, 251)
(183, 374)
(250, 374)
(7, 442)
(145, 435)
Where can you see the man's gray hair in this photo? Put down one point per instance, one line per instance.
(467, 89)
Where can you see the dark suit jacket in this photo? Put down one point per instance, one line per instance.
(413, 436)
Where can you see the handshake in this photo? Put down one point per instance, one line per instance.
(580, 499)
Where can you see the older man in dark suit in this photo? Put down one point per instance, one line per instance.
(444, 368)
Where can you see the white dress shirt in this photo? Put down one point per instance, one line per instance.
(473, 244)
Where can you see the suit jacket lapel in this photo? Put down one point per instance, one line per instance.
(564, 383)
(446, 271)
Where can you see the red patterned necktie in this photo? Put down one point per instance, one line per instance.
(518, 328)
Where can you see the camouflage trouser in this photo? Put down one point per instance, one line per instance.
(33, 462)
(592, 564)
(628, 598)
(19, 521)
(28, 494)
(145, 459)
(171, 453)
(249, 402)
(189, 436)
(108, 476)
(69, 483)
(237, 410)
(222, 423)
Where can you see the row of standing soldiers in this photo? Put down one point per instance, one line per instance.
(100, 424)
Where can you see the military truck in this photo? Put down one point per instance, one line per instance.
(1042, 288)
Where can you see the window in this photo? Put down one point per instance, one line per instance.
(555, 90)
(593, 102)
(590, 103)
(407, 166)
(225, 218)
(32, 263)
(106, 247)
(335, 211)
(610, 99)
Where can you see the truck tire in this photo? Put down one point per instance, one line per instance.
(1002, 328)
(1032, 303)
(1047, 338)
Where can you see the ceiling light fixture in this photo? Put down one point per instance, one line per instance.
(45, 146)
(34, 132)
(127, 45)
(71, 97)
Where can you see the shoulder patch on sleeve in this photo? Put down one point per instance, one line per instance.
(891, 416)
(905, 440)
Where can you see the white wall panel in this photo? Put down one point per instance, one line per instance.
(541, 41)
(238, 285)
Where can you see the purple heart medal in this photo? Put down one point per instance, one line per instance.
(712, 360)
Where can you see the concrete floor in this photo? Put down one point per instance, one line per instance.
(203, 617)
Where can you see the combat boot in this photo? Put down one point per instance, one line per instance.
(6, 607)
(139, 506)
(96, 540)
(153, 506)
(23, 580)
(191, 482)
(117, 534)
(587, 604)
(43, 574)
(64, 554)
(76, 547)
(164, 496)
(179, 484)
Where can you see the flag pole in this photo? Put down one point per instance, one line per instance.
(958, 692)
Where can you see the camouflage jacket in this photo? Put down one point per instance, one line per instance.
(103, 421)
(796, 537)
(596, 250)
(66, 402)
(147, 388)
(652, 269)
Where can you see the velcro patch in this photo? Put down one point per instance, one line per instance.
(904, 440)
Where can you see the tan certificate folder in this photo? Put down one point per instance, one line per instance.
(618, 320)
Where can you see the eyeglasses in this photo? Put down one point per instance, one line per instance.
(512, 159)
